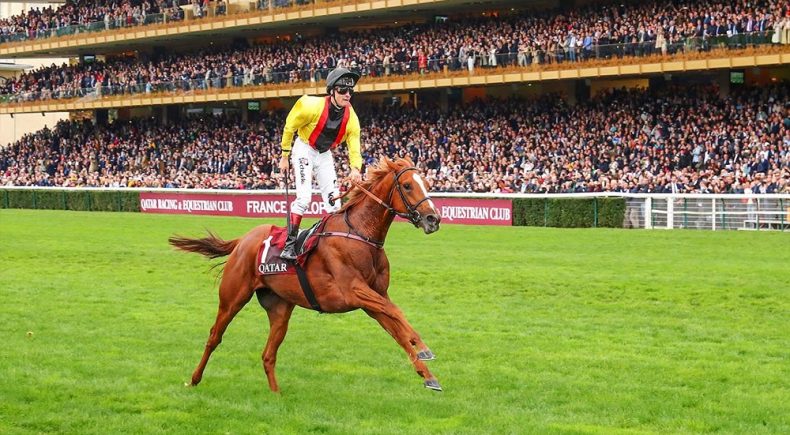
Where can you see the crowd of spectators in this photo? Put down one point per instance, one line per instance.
(74, 15)
(672, 140)
(507, 40)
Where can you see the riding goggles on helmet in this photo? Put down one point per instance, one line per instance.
(343, 90)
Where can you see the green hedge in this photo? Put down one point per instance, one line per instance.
(569, 213)
(81, 200)
(539, 212)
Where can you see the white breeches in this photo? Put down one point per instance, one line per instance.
(307, 161)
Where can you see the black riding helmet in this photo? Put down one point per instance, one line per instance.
(341, 77)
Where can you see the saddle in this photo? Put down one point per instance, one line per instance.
(269, 261)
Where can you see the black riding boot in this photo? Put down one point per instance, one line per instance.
(289, 252)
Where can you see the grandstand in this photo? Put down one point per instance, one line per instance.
(543, 134)
(487, 97)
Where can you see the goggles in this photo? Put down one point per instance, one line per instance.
(343, 90)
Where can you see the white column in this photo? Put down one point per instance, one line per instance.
(670, 212)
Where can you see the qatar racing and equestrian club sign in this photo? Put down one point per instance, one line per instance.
(469, 211)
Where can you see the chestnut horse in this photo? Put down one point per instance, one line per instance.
(347, 270)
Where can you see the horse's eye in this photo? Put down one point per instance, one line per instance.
(407, 186)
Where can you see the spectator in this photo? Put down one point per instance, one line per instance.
(677, 140)
(595, 31)
(46, 22)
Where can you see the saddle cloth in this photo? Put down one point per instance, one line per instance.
(269, 261)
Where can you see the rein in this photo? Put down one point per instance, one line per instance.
(412, 215)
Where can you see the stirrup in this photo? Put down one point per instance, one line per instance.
(288, 254)
(289, 250)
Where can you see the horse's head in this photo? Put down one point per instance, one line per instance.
(399, 187)
(412, 201)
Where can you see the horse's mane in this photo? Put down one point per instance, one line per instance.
(376, 173)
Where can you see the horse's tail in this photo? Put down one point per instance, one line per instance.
(210, 246)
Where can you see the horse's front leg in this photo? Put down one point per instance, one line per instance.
(394, 322)
(423, 352)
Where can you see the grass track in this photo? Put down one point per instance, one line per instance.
(536, 331)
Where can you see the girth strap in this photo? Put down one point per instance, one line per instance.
(308, 291)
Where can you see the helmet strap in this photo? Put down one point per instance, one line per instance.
(332, 98)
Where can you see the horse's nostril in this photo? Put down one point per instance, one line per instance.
(432, 218)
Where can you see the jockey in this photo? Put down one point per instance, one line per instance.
(320, 124)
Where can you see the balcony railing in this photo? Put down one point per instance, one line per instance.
(173, 14)
(96, 26)
(414, 66)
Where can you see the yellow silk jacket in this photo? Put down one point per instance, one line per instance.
(308, 119)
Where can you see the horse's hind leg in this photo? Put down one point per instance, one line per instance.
(233, 296)
(279, 312)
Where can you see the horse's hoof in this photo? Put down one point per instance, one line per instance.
(188, 384)
(426, 355)
(433, 384)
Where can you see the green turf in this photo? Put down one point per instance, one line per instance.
(536, 331)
